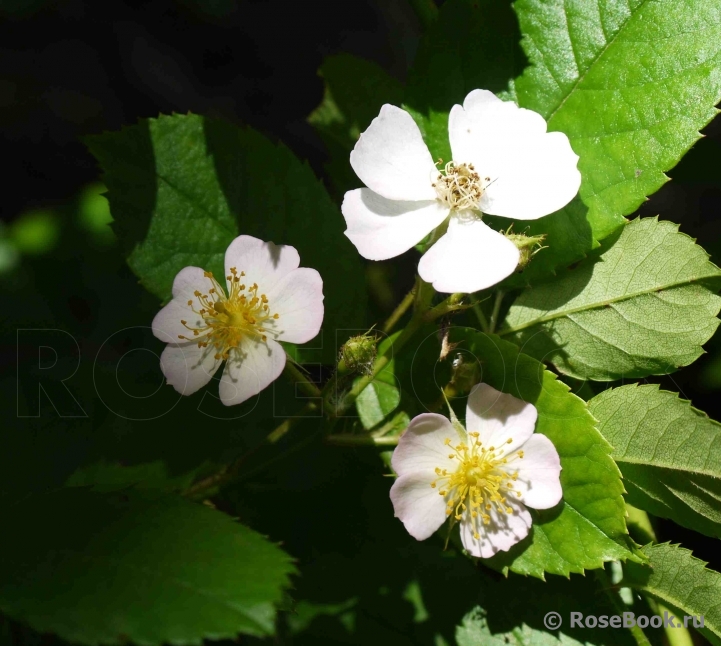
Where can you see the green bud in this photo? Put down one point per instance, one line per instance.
(358, 354)
(529, 246)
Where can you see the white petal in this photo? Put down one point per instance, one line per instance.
(469, 257)
(532, 173)
(250, 369)
(501, 533)
(419, 506)
(264, 263)
(187, 280)
(297, 298)
(392, 159)
(166, 324)
(499, 417)
(422, 447)
(382, 229)
(538, 473)
(539, 179)
(480, 128)
(187, 367)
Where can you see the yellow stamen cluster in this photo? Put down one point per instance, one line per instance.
(225, 320)
(481, 481)
(461, 187)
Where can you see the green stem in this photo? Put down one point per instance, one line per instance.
(481, 317)
(451, 304)
(641, 529)
(399, 311)
(231, 471)
(422, 296)
(294, 374)
(679, 636)
(391, 425)
(605, 582)
(361, 440)
(285, 454)
(494, 313)
(426, 10)
(287, 424)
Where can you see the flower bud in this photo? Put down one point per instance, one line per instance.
(358, 354)
(529, 246)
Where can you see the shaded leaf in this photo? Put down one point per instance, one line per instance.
(472, 44)
(110, 476)
(513, 612)
(355, 90)
(113, 567)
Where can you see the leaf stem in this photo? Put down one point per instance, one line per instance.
(230, 472)
(426, 10)
(349, 439)
(399, 311)
(494, 313)
(293, 372)
(422, 296)
(678, 636)
(481, 317)
(451, 304)
(641, 529)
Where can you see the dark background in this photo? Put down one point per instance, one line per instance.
(70, 68)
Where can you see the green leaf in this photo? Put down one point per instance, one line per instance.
(669, 454)
(382, 396)
(674, 576)
(644, 306)
(630, 83)
(131, 566)
(355, 90)
(588, 527)
(181, 188)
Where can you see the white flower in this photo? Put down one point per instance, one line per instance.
(484, 478)
(269, 298)
(504, 163)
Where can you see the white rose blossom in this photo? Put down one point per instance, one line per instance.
(269, 298)
(504, 163)
(484, 476)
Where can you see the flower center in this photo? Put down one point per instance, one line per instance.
(460, 186)
(478, 484)
(227, 320)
